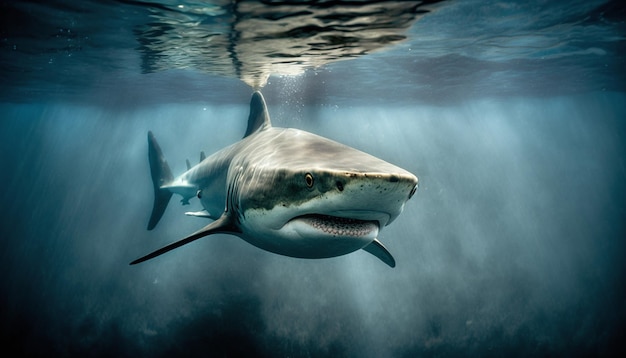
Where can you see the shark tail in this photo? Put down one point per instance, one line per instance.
(161, 175)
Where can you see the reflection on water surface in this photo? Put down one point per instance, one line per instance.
(251, 39)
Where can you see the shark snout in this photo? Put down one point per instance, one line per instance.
(360, 195)
(384, 184)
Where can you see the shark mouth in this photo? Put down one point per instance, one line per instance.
(340, 226)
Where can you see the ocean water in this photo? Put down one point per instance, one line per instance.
(511, 113)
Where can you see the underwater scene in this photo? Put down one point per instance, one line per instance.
(313, 178)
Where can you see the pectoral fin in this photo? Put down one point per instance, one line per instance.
(222, 225)
(377, 249)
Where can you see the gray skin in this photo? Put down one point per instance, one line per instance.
(287, 191)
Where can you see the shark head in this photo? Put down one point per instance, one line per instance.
(303, 195)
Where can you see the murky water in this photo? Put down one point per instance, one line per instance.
(510, 113)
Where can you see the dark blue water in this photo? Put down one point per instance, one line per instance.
(512, 115)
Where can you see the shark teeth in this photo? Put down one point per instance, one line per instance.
(340, 226)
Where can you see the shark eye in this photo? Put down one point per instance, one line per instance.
(308, 178)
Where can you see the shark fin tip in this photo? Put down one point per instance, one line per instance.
(259, 118)
(379, 250)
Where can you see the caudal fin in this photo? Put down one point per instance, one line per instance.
(161, 175)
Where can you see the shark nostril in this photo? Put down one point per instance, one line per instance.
(413, 191)
(340, 186)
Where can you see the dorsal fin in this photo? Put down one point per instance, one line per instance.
(202, 156)
(259, 118)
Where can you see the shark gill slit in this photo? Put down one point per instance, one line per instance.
(232, 200)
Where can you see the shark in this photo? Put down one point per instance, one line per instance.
(286, 191)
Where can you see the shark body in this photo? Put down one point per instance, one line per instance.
(287, 191)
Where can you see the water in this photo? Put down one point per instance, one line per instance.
(510, 113)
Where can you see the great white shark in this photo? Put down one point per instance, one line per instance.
(286, 191)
